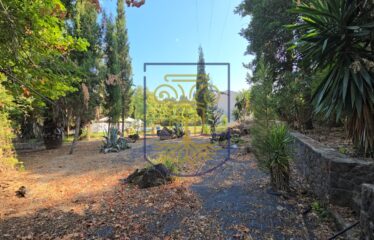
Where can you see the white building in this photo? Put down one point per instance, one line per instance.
(223, 101)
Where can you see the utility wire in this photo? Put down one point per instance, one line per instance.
(224, 27)
(197, 21)
(210, 22)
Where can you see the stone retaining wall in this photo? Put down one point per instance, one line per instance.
(333, 177)
(25, 147)
(367, 212)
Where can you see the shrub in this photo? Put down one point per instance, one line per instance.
(270, 140)
(242, 105)
(278, 157)
(7, 155)
(170, 163)
(205, 129)
(337, 38)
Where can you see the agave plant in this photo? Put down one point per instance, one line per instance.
(336, 36)
(113, 143)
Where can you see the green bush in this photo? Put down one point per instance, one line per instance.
(319, 209)
(170, 163)
(337, 38)
(205, 129)
(270, 140)
(278, 158)
(7, 154)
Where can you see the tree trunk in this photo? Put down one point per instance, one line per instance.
(67, 130)
(123, 120)
(202, 124)
(108, 127)
(88, 131)
(67, 124)
(279, 178)
(76, 134)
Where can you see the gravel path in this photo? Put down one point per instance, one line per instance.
(239, 197)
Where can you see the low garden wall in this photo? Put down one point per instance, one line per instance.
(332, 176)
(367, 212)
(31, 146)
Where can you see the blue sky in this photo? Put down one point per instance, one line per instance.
(171, 31)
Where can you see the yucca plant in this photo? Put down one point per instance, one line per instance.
(337, 36)
(278, 157)
(270, 140)
(242, 105)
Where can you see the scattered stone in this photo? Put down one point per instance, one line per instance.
(21, 192)
(280, 208)
(150, 177)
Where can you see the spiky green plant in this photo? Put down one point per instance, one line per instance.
(270, 140)
(277, 142)
(170, 163)
(242, 105)
(113, 143)
(337, 36)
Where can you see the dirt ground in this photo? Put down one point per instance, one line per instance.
(81, 196)
(337, 138)
(53, 178)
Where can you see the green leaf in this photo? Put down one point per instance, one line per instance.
(345, 82)
(324, 44)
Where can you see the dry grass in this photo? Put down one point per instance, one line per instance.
(54, 178)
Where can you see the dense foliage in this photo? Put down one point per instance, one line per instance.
(34, 46)
(35, 66)
(112, 83)
(328, 69)
(242, 105)
(338, 38)
(167, 112)
(201, 87)
(56, 60)
(266, 33)
(7, 155)
(268, 38)
(270, 139)
(124, 61)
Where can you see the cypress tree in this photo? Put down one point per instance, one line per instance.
(124, 61)
(82, 103)
(201, 88)
(112, 84)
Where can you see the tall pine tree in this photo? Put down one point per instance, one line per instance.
(201, 89)
(112, 84)
(82, 103)
(124, 61)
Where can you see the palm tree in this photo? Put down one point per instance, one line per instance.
(242, 105)
(336, 36)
